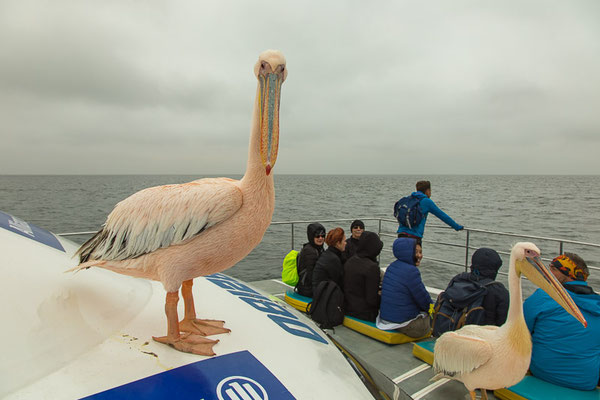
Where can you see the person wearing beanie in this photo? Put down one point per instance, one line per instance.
(307, 258)
(356, 228)
(564, 352)
(362, 277)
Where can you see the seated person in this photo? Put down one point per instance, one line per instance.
(405, 302)
(356, 228)
(329, 265)
(361, 278)
(485, 264)
(564, 352)
(307, 258)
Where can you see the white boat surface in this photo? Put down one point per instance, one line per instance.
(89, 335)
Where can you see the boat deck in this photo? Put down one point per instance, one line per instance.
(395, 362)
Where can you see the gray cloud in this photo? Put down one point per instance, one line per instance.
(400, 87)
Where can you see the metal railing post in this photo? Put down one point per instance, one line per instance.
(467, 252)
(560, 247)
(379, 232)
(292, 236)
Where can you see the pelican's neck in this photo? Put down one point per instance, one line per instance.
(257, 185)
(515, 308)
(254, 168)
(515, 329)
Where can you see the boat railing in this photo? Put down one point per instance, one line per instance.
(466, 245)
(386, 229)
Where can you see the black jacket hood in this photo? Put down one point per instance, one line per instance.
(369, 245)
(485, 263)
(312, 230)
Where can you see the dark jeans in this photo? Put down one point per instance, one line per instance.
(408, 235)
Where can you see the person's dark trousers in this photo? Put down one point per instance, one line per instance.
(408, 235)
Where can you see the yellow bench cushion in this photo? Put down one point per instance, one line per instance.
(297, 301)
(370, 329)
(424, 351)
(532, 388)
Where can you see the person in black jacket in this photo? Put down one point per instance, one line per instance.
(362, 277)
(308, 258)
(329, 265)
(356, 228)
(485, 264)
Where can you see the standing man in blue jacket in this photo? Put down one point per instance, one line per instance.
(427, 206)
(564, 352)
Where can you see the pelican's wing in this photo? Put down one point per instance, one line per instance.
(458, 353)
(162, 216)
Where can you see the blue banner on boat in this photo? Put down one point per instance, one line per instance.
(229, 377)
(28, 230)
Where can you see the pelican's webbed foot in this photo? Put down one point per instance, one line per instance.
(204, 327)
(190, 343)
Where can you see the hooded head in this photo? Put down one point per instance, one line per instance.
(485, 263)
(404, 249)
(369, 245)
(314, 229)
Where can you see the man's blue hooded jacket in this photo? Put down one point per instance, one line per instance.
(403, 294)
(564, 352)
(428, 206)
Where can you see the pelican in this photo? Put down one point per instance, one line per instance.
(175, 233)
(491, 357)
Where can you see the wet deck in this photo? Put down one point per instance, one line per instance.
(395, 363)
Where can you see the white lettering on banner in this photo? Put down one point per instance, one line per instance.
(276, 312)
(20, 225)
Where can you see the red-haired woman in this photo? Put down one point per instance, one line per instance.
(329, 266)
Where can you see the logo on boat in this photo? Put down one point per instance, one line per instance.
(276, 312)
(240, 387)
(28, 230)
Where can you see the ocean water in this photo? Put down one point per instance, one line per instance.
(566, 207)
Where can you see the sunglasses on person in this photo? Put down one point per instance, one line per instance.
(319, 235)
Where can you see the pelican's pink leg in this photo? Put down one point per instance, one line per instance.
(189, 343)
(484, 394)
(190, 323)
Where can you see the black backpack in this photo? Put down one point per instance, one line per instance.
(327, 307)
(408, 212)
(460, 304)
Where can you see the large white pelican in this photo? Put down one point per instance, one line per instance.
(175, 233)
(491, 357)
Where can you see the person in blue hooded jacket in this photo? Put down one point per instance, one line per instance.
(427, 206)
(564, 352)
(405, 302)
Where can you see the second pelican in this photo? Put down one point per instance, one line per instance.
(491, 357)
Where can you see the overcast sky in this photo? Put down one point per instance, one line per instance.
(386, 87)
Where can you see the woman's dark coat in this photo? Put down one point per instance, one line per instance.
(362, 277)
(307, 259)
(329, 268)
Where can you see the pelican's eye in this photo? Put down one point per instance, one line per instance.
(531, 253)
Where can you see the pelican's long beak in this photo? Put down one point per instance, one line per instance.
(270, 80)
(535, 270)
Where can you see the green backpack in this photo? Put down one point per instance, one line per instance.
(289, 274)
